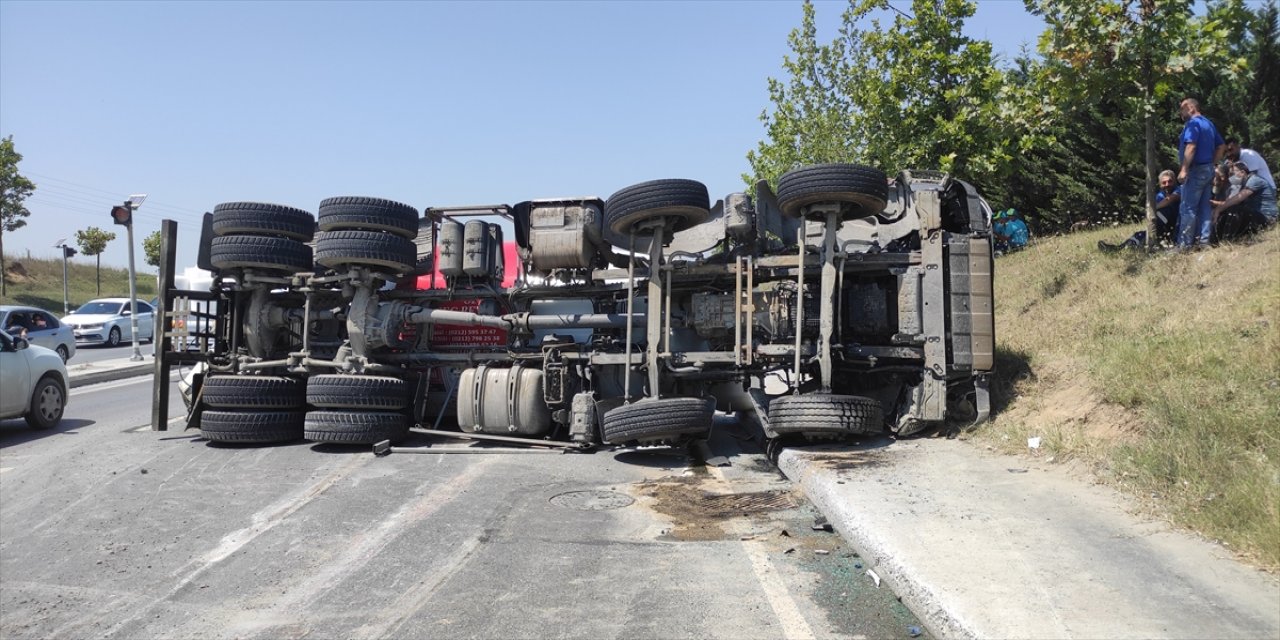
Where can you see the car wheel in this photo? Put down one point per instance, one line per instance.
(113, 338)
(47, 404)
(63, 353)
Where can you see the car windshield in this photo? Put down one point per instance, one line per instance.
(110, 308)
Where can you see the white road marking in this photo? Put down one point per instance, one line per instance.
(793, 624)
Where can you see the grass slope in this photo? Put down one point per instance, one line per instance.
(1162, 372)
(38, 282)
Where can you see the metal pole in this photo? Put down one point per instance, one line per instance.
(631, 290)
(133, 296)
(66, 304)
(654, 330)
(163, 346)
(799, 302)
(826, 308)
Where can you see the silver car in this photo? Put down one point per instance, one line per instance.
(106, 321)
(33, 382)
(39, 327)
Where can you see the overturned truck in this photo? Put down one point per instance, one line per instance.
(842, 304)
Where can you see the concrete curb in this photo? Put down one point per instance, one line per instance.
(876, 552)
(981, 545)
(86, 377)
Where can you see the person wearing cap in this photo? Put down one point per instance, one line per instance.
(1010, 231)
(1249, 210)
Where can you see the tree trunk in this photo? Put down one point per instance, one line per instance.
(4, 282)
(1149, 125)
(98, 275)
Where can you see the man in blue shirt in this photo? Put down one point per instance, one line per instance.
(1168, 197)
(1199, 148)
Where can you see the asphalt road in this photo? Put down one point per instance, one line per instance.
(112, 530)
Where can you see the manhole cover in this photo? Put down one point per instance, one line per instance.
(592, 500)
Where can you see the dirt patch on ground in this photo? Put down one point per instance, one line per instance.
(1064, 403)
(848, 460)
(700, 515)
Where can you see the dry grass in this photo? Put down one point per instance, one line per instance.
(1160, 371)
(38, 282)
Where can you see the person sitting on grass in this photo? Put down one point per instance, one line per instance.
(1168, 198)
(1010, 231)
(1251, 209)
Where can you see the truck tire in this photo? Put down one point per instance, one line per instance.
(658, 420)
(370, 214)
(685, 202)
(253, 392)
(866, 188)
(259, 252)
(356, 392)
(356, 427)
(263, 219)
(257, 427)
(825, 414)
(366, 248)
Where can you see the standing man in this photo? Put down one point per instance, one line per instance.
(1199, 148)
(1251, 159)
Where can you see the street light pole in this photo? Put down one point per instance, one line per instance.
(66, 304)
(133, 203)
(62, 246)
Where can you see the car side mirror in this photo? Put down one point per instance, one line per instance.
(126, 312)
(20, 343)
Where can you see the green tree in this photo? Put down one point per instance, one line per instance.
(1138, 53)
(93, 241)
(151, 248)
(916, 94)
(1250, 108)
(14, 189)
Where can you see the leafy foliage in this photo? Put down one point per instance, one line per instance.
(93, 241)
(14, 189)
(151, 248)
(1064, 138)
(916, 94)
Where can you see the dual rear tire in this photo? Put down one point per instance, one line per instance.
(271, 409)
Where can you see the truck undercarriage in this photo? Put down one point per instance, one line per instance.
(843, 304)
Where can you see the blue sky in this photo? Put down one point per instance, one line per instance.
(428, 103)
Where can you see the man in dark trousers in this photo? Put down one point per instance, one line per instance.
(1168, 197)
(1199, 148)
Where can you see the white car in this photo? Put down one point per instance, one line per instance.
(33, 382)
(106, 321)
(41, 328)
